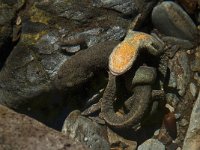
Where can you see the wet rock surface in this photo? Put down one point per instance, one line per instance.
(18, 131)
(54, 60)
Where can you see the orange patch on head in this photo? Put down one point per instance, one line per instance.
(122, 57)
(138, 37)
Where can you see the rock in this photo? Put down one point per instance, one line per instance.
(172, 99)
(193, 89)
(37, 56)
(183, 122)
(193, 133)
(151, 144)
(18, 131)
(85, 131)
(118, 142)
(171, 20)
(126, 7)
(196, 61)
(179, 72)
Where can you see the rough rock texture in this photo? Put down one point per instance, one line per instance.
(180, 73)
(192, 139)
(85, 131)
(127, 7)
(19, 132)
(47, 29)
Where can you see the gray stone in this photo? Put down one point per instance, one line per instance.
(193, 89)
(172, 99)
(170, 19)
(85, 131)
(19, 132)
(179, 72)
(151, 144)
(193, 133)
(183, 122)
(196, 62)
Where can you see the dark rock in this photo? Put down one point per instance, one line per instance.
(18, 131)
(85, 131)
(189, 5)
(193, 89)
(38, 55)
(171, 20)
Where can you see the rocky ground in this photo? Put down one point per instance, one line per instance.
(53, 74)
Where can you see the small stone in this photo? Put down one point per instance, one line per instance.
(86, 131)
(177, 115)
(156, 133)
(193, 89)
(151, 144)
(164, 136)
(170, 19)
(172, 99)
(178, 148)
(183, 122)
(171, 109)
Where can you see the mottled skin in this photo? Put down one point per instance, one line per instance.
(120, 61)
(140, 100)
(82, 66)
(125, 53)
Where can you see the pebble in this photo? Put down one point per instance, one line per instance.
(85, 131)
(183, 122)
(193, 89)
(192, 136)
(151, 144)
(171, 108)
(126, 7)
(171, 20)
(172, 99)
